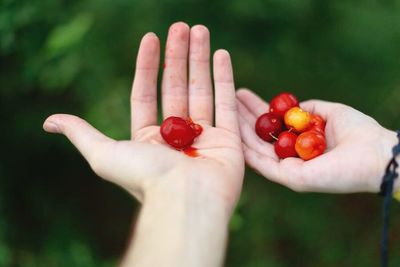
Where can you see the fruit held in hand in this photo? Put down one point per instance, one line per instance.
(297, 119)
(317, 123)
(310, 144)
(179, 133)
(267, 126)
(311, 127)
(285, 145)
(282, 103)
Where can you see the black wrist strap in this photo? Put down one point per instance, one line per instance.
(387, 193)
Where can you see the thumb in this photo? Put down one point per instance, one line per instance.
(82, 135)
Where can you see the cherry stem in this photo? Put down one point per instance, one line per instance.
(273, 136)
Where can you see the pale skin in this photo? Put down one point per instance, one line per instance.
(358, 149)
(186, 202)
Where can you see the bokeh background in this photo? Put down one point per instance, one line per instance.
(78, 57)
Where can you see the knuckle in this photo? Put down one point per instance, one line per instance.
(143, 98)
(227, 106)
(176, 90)
(69, 129)
(200, 90)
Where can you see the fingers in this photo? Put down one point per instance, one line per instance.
(266, 166)
(82, 135)
(174, 82)
(319, 107)
(245, 113)
(144, 89)
(286, 172)
(226, 116)
(253, 102)
(200, 87)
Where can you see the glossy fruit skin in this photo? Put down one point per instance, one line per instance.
(317, 123)
(285, 145)
(179, 133)
(267, 126)
(310, 144)
(282, 103)
(196, 127)
(297, 119)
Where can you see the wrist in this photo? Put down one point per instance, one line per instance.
(195, 209)
(389, 140)
(189, 194)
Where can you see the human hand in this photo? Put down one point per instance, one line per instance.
(358, 149)
(146, 165)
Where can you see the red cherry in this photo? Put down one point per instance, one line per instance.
(177, 132)
(267, 126)
(317, 123)
(282, 103)
(310, 144)
(284, 146)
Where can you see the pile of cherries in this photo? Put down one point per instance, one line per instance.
(297, 133)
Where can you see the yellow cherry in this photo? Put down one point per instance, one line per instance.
(297, 119)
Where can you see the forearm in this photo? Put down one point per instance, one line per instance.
(176, 229)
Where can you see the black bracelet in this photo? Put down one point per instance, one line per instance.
(387, 192)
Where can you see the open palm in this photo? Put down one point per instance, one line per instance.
(358, 149)
(146, 162)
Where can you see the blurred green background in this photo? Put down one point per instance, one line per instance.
(78, 57)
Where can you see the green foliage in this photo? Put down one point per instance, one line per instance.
(65, 37)
(78, 57)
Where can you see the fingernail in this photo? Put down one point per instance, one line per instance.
(51, 127)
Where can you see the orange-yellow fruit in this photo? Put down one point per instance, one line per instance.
(310, 144)
(297, 119)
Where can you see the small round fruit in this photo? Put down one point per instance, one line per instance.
(310, 144)
(177, 132)
(317, 123)
(282, 103)
(285, 145)
(297, 119)
(267, 126)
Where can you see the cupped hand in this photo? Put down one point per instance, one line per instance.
(358, 149)
(146, 163)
